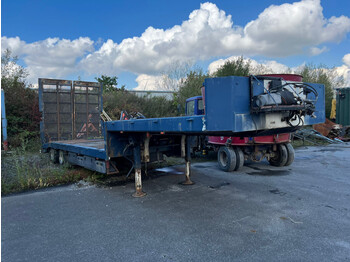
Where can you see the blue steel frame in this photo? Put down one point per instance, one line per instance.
(79, 149)
(185, 124)
(3, 117)
(227, 103)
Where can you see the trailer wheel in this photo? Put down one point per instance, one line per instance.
(54, 156)
(226, 159)
(290, 151)
(281, 157)
(239, 158)
(62, 159)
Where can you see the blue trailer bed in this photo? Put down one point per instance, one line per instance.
(92, 147)
(185, 124)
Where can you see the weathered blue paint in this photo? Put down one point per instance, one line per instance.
(320, 113)
(186, 124)
(227, 110)
(80, 148)
(117, 144)
(3, 117)
(228, 105)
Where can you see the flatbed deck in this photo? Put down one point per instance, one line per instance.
(93, 148)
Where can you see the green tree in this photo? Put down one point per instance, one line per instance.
(150, 107)
(21, 102)
(109, 83)
(323, 75)
(189, 87)
(237, 67)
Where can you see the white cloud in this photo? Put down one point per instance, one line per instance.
(101, 61)
(344, 70)
(52, 57)
(346, 60)
(317, 51)
(157, 82)
(267, 67)
(15, 44)
(283, 30)
(148, 82)
(289, 28)
(279, 31)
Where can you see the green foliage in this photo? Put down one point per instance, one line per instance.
(190, 87)
(322, 75)
(158, 107)
(21, 102)
(150, 107)
(237, 67)
(109, 83)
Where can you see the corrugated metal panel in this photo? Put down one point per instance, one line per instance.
(343, 106)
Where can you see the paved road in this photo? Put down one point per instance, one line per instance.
(298, 213)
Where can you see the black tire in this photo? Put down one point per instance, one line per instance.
(62, 157)
(226, 159)
(239, 158)
(290, 151)
(281, 157)
(53, 156)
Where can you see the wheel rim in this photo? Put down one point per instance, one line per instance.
(52, 155)
(281, 157)
(61, 158)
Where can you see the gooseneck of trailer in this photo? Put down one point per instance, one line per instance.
(71, 129)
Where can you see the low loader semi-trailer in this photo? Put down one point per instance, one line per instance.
(72, 129)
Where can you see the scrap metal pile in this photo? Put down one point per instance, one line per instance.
(327, 132)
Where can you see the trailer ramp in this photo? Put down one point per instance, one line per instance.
(70, 109)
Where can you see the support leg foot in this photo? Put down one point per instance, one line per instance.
(138, 184)
(139, 194)
(188, 180)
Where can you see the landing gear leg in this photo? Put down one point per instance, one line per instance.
(188, 162)
(138, 179)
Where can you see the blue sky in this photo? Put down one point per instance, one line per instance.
(87, 25)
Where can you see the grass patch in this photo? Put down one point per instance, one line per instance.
(23, 170)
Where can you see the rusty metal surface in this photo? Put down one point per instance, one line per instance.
(328, 128)
(70, 109)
